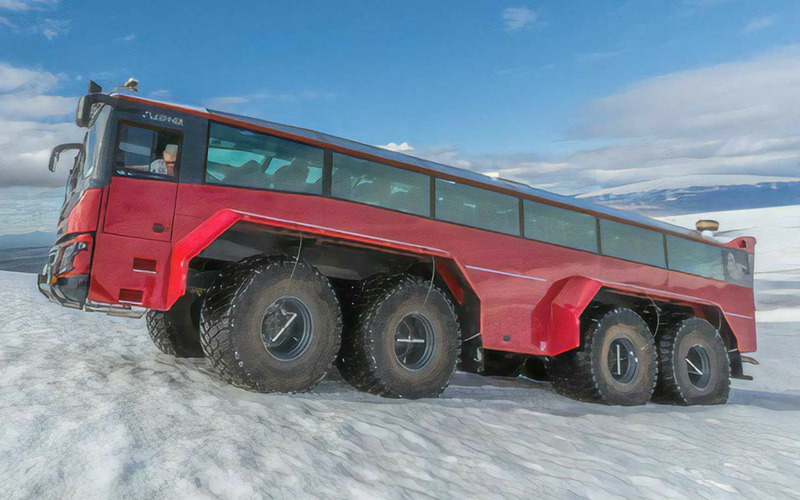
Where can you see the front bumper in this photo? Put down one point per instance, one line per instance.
(65, 277)
(68, 291)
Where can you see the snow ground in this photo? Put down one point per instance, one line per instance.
(89, 408)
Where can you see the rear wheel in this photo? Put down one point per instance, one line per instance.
(271, 325)
(615, 364)
(176, 332)
(402, 338)
(694, 368)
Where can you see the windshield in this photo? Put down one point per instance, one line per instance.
(86, 162)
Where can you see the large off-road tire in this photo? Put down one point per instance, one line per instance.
(270, 325)
(176, 331)
(616, 363)
(402, 338)
(694, 368)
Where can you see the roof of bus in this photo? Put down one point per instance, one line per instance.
(475, 177)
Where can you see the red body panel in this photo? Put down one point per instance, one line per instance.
(84, 215)
(531, 293)
(136, 205)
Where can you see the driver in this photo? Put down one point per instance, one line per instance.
(166, 164)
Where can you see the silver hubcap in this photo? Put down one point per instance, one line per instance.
(622, 360)
(698, 366)
(413, 341)
(287, 328)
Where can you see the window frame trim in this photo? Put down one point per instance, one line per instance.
(327, 173)
(138, 174)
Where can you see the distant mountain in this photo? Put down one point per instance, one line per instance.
(26, 252)
(700, 194)
(27, 240)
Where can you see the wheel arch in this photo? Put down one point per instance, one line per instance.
(560, 312)
(449, 273)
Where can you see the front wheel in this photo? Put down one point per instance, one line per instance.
(271, 325)
(175, 332)
(694, 368)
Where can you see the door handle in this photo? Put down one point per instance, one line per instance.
(159, 228)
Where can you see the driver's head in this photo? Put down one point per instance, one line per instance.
(170, 153)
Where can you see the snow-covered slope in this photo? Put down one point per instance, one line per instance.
(89, 408)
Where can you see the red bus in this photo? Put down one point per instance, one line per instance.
(279, 252)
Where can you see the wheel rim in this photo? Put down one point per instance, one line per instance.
(287, 328)
(413, 341)
(622, 360)
(698, 366)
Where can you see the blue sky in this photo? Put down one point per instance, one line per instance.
(521, 87)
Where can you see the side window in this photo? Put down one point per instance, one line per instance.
(145, 151)
(560, 226)
(239, 157)
(738, 266)
(380, 185)
(632, 243)
(477, 207)
(695, 258)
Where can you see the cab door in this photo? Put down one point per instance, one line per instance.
(145, 165)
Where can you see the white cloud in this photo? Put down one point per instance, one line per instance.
(35, 106)
(740, 118)
(231, 102)
(32, 122)
(5, 22)
(755, 96)
(20, 5)
(22, 79)
(159, 94)
(759, 23)
(127, 38)
(16, 5)
(519, 17)
(403, 147)
(51, 28)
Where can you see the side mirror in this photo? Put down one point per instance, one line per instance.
(60, 149)
(707, 225)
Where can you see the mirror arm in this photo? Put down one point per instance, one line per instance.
(60, 149)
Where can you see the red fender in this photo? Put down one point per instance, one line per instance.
(209, 230)
(556, 318)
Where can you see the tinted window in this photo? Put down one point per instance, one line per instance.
(476, 207)
(560, 226)
(632, 243)
(380, 185)
(238, 157)
(146, 151)
(94, 141)
(695, 257)
(738, 266)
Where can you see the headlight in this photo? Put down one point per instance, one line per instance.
(69, 254)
